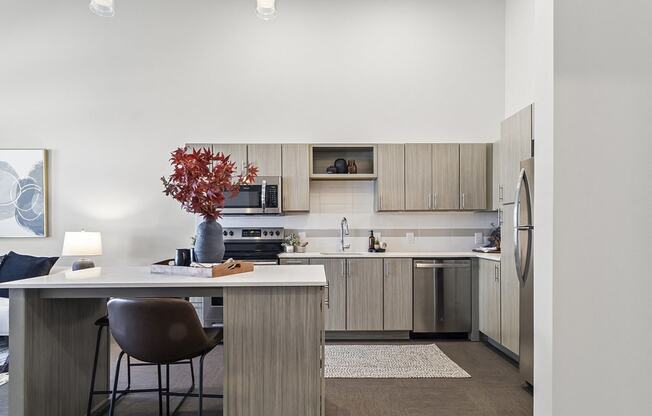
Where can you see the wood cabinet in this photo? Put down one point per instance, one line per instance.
(445, 177)
(296, 177)
(510, 286)
(515, 145)
(335, 313)
(390, 185)
(397, 294)
(496, 186)
(418, 177)
(238, 152)
(473, 176)
(267, 157)
(294, 261)
(364, 295)
(489, 298)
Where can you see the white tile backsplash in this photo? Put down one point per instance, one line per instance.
(332, 200)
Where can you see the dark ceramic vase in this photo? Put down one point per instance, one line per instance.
(209, 245)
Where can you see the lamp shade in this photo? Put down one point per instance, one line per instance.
(82, 244)
(102, 8)
(266, 9)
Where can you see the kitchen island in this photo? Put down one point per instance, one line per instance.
(273, 336)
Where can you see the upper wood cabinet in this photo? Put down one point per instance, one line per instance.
(267, 157)
(390, 185)
(489, 298)
(397, 293)
(364, 295)
(496, 187)
(473, 176)
(296, 177)
(238, 152)
(418, 177)
(515, 145)
(445, 176)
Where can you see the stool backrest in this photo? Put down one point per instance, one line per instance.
(157, 330)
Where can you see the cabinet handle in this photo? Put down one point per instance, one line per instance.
(343, 268)
(435, 198)
(429, 201)
(500, 193)
(463, 200)
(328, 296)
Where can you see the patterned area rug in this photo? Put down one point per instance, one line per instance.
(390, 361)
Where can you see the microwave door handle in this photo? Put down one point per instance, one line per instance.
(263, 191)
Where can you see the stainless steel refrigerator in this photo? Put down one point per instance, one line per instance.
(524, 263)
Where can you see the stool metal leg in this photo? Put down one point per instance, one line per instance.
(115, 384)
(201, 385)
(97, 353)
(160, 392)
(192, 375)
(167, 389)
(128, 374)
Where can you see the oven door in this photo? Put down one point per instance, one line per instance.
(261, 197)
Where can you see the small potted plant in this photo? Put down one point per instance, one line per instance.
(290, 242)
(201, 181)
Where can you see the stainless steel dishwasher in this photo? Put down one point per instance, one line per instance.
(442, 295)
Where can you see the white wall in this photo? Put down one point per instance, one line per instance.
(596, 239)
(111, 97)
(519, 55)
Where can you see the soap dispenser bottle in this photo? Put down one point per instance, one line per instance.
(372, 241)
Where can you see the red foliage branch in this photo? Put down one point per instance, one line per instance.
(201, 178)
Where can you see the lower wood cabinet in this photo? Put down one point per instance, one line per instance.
(335, 313)
(364, 295)
(397, 295)
(510, 287)
(489, 298)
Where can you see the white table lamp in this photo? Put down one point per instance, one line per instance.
(82, 244)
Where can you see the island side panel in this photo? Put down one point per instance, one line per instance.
(272, 351)
(52, 343)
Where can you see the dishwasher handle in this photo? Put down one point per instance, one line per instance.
(441, 266)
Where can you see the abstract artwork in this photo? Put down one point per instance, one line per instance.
(23, 193)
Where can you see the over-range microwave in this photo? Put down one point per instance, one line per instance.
(262, 197)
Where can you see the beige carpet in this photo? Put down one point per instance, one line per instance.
(390, 361)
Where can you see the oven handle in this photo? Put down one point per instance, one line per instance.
(262, 195)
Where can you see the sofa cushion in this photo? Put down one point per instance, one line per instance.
(16, 266)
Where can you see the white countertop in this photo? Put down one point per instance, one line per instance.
(141, 277)
(393, 254)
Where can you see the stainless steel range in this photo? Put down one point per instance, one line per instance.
(260, 246)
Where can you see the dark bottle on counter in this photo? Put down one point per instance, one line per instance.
(372, 241)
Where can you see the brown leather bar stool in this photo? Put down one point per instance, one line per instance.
(161, 332)
(101, 324)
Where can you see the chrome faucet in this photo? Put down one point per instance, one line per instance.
(344, 230)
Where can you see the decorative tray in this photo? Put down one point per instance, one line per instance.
(227, 268)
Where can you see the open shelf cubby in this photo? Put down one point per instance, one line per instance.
(323, 156)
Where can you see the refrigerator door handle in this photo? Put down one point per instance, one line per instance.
(521, 271)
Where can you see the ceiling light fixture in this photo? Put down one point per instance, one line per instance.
(102, 8)
(266, 9)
